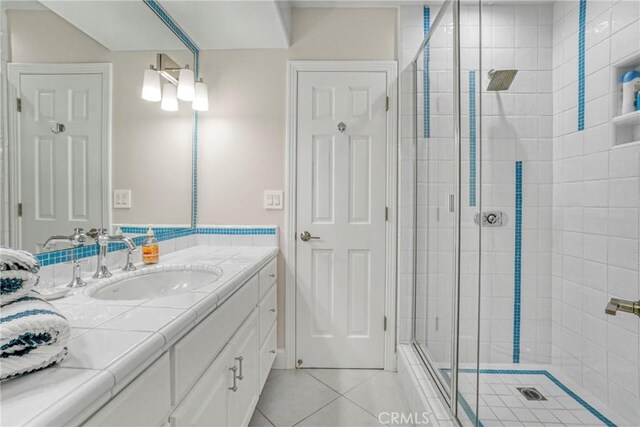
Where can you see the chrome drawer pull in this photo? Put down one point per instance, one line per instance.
(235, 384)
(240, 359)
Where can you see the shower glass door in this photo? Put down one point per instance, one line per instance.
(447, 200)
(435, 198)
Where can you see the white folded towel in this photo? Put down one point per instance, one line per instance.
(13, 259)
(18, 274)
(33, 336)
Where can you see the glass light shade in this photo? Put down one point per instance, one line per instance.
(169, 98)
(151, 86)
(201, 98)
(185, 85)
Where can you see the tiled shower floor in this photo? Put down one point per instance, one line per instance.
(501, 404)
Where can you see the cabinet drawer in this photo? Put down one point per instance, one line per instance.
(268, 312)
(268, 276)
(193, 353)
(268, 354)
(144, 402)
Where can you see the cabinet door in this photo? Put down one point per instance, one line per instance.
(207, 403)
(244, 400)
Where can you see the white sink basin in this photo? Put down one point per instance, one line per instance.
(153, 283)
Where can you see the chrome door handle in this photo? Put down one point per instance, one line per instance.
(235, 383)
(627, 306)
(58, 128)
(240, 376)
(306, 236)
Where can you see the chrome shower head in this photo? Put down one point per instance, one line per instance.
(501, 79)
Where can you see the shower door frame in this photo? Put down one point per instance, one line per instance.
(450, 394)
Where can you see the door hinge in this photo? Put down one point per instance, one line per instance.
(386, 213)
(19, 105)
(387, 104)
(385, 323)
(19, 210)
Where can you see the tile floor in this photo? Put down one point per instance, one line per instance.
(328, 397)
(501, 404)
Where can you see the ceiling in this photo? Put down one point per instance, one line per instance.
(117, 25)
(235, 24)
(122, 25)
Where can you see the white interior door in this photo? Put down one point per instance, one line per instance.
(60, 170)
(341, 194)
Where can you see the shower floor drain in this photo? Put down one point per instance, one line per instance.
(531, 393)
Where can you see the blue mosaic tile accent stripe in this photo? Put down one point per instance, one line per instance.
(463, 402)
(179, 32)
(194, 168)
(426, 114)
(517, 279)
(606, 421)
(161, 233)
(472, 138)
(581, 56)
(237, 231)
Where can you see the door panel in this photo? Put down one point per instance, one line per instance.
(61, 173)
(341, 194)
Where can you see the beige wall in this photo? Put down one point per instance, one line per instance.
(242, 136)
(151, 151)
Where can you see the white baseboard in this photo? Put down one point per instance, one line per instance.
(281, 360)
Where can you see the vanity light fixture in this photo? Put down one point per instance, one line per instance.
(151, 85)
(186, 88)
(169, 97)
(179, 85)
(201, 98)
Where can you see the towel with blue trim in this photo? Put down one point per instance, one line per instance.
(18, 274)
(33, 336)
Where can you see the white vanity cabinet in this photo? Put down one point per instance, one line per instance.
(213, 375)
(227, 392)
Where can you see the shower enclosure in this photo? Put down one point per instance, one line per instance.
(519, 199)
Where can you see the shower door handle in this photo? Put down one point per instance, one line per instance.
(627, 306)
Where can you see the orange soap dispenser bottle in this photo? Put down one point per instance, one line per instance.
(150, 248)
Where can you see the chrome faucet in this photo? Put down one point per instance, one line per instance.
(76, 239)
(102, 240)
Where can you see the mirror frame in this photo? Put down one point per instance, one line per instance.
(164, 16)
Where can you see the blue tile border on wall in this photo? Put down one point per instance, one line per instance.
(426, 90)
(472, 138)
(581, 58)
(517, 273)
(161, 233)
(182, 35)
(606, 421)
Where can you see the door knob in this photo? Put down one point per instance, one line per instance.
(306, 236)
(58, 128)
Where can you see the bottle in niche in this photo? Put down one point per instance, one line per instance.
(150, 248)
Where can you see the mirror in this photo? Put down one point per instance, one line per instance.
(85, 150)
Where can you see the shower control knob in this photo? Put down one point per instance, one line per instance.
(492, 218)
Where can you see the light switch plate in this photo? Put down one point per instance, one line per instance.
(273, 199)
(122, 199)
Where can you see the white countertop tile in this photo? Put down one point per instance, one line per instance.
(89, 315)
(26, 397)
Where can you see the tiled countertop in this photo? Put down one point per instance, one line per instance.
(112, 341)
